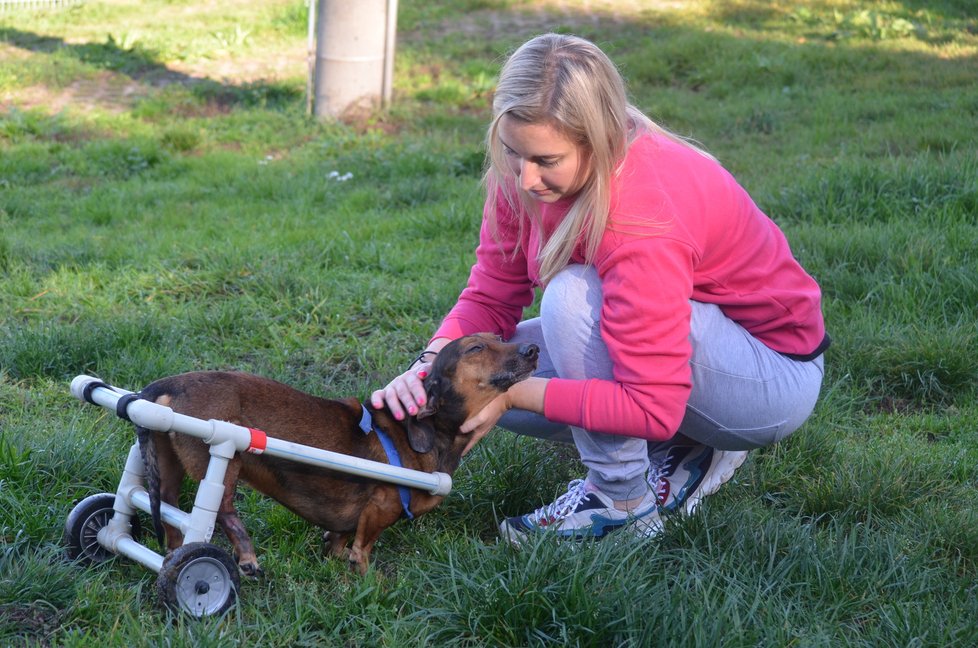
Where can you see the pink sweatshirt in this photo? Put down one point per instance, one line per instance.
(680, 228)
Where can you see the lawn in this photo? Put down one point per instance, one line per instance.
(166, 205)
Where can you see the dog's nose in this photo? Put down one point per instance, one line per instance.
(529, 351)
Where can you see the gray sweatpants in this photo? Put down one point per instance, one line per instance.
(744, 394)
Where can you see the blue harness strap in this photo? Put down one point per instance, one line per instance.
(393, 458)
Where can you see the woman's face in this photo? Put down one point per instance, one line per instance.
(549, 166)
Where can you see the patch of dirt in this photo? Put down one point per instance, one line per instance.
(117, 92)
(108, 91)
(546, 15)
(281, 65)
(32, 623)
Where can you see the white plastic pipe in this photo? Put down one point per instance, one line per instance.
(163, 419)
(124, 545)
(116, 536)
(173, 516)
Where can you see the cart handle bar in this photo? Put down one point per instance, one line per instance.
(163, 419)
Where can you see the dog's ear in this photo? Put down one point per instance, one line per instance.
(421, 435)
(432, 388)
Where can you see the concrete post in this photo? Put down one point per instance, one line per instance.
(354, 55)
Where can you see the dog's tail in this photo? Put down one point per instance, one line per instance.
(147, 449)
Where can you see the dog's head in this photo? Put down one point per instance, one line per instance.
(466, 375)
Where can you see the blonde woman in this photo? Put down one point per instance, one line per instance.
(677, 331)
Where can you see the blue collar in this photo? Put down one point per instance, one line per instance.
(393, 458)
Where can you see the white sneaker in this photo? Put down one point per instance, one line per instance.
(683, 473)
(580, 513)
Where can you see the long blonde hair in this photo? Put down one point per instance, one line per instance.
(570, 85)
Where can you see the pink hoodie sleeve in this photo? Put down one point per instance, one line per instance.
(645, 325)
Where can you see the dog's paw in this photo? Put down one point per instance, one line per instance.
(251, 570)
(249, 567)
(357, 566)
(334, 544)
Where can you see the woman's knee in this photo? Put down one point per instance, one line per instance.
(739, 413)
(573, 292)
(570, 312)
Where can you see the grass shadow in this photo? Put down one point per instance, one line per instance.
(142, 66)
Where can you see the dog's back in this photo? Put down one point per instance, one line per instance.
(281, 412)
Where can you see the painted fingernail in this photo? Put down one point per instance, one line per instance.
(399, 416)
(413, 410)
(422, 374)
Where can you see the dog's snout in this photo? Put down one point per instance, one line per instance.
(529, 351)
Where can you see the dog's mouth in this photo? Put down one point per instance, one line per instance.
(503, 380)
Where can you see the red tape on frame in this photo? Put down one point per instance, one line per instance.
(259, 441)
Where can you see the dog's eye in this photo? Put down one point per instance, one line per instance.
(475, 348)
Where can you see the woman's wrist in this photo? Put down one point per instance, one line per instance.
(425, 356)
(428, 355)
(528, 394)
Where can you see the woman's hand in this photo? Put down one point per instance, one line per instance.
(480, 424)
(526, 395)
(405, 395)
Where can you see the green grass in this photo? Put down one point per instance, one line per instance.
(165, 205)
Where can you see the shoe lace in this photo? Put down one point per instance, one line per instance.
(661, 488)
(657, 477)
(560, 507)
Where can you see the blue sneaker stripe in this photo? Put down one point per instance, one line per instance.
(589, 502)
(697, 467)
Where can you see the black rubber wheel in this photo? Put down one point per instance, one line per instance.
(200, 579)
(83, 524)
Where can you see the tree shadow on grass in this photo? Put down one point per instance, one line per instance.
(142, 66)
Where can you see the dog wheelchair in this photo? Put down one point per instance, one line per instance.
(198, 578)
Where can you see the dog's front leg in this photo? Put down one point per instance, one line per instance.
(375, 517)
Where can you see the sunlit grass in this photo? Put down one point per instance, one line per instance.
(203, 222)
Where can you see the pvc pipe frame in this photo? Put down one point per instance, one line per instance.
(242, 439)
(224, 439)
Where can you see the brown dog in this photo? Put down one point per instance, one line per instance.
(466, 375)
